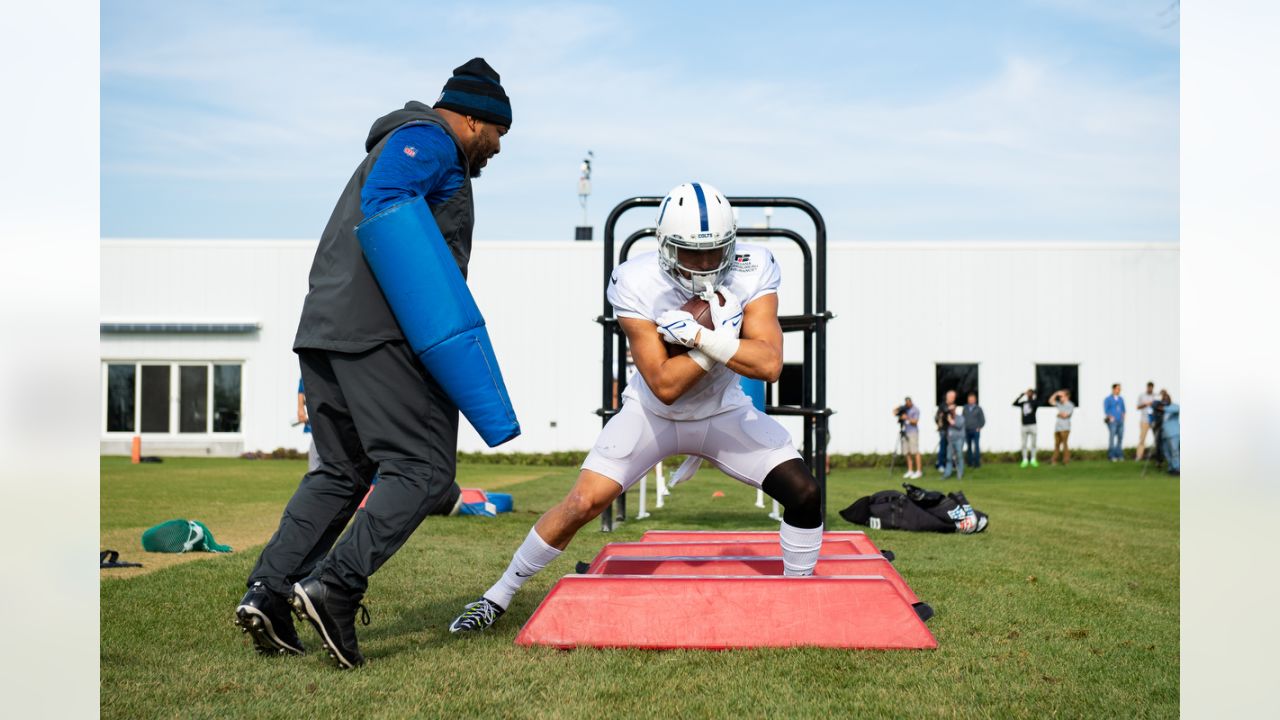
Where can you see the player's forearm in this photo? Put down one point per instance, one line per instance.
(674, 377)
(757, 360)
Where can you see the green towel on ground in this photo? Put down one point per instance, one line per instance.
(179, 536)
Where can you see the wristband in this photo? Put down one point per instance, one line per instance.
(701, 358)
(719, 346)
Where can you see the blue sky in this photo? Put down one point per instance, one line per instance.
(1002, 120)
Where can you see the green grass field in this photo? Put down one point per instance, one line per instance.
(1067, 606)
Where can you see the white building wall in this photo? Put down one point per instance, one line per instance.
(901, 308)
(213, 281)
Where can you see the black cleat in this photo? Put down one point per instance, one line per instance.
(476, 616)
(332, 612)
(265, 616)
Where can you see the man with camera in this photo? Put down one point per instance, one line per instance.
(1170, 430)
(951, 418)
(909, 436)
(1026, 402)
(1146, 418)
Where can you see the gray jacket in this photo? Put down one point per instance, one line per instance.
(974, 418)
(344, 309)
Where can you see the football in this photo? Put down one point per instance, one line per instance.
(701, 311)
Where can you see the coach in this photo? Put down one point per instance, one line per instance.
(372, 406)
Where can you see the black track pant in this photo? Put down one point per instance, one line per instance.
(371, 412)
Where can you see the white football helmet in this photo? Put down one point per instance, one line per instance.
(696, 236)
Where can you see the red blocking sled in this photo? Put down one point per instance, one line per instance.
(746, 548)
(828, 566)
(856, 536)
(861, 542)
(722, 612)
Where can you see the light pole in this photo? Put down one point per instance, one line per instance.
(583, 231)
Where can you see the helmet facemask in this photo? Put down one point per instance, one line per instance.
(697, 266)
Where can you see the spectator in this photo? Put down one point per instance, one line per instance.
(1062, 428)
(1113, 406)
(940, 461)
(1027, 403)
(974, 421)
(909, 417)
(955, 422)
(1145, 401)
(313, 457)
(1169, 429)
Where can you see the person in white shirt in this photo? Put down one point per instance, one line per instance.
(685, 398)
(1144, 404)
(1061, 402)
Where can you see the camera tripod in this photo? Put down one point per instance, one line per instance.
(898, 445)
(1157, 451)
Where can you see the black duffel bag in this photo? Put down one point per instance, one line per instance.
(917, 509)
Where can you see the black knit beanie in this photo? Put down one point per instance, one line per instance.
(474, 90)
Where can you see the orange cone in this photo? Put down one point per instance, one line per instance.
(136, 450)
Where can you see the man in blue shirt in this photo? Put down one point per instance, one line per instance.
(373, 409)
(1113, 406)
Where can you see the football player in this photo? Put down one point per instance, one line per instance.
(684, 403)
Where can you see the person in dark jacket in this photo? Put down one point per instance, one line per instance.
(974, 421)
(373, 408)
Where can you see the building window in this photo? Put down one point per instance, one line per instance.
(193, 398)
(961, 377)
(1052, 378)
(155, 398)
(226, 398)
(144, 397)
(121, 389)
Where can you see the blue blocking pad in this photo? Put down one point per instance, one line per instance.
(437, 314)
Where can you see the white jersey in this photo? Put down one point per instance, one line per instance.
(640, 289)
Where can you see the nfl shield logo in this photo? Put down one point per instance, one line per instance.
(410, 150)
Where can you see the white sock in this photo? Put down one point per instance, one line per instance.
(800, 548)
(532, 555)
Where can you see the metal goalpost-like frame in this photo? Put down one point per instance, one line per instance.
(812, 323)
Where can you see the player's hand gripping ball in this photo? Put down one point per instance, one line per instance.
(726, 315)
(679, 328)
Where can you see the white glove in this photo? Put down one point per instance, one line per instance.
(679, 328)
(727, 317)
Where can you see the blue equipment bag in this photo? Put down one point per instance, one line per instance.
(502, 501)
(434, 307)
(482, 509)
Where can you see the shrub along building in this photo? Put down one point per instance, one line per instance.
(196, 337)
